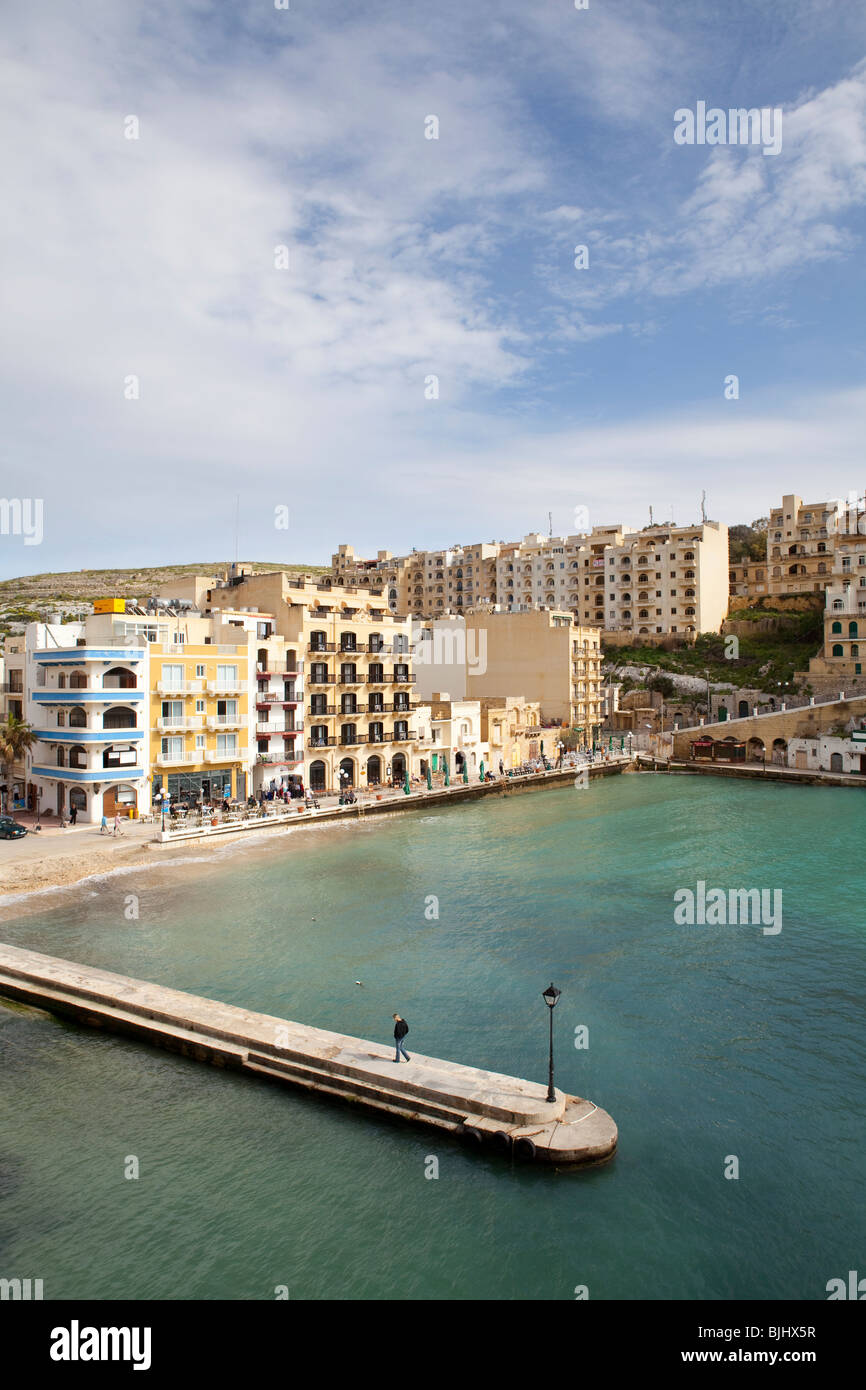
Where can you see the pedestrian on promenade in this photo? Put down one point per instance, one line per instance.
(401, 1028)
(103, 829)
(73, 815)
(63, 821)
(501, 768)
(116, 823)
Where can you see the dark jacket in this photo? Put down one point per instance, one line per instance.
(401, 1028)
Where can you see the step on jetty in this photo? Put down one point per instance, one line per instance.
(482, 1106)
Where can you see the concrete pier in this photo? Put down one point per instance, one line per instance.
(480, 1105)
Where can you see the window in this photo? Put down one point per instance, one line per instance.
(227, 744)
(227, 675)
(199, 670)
(172, 748)
(199, 742)
(199, 704)
(172, 710)
(227, 711)
(172, 675)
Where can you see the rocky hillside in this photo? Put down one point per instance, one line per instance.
(37, 597)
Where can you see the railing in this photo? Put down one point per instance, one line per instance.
(180, 687)
(231, 755)
(321, 743)
(227, 721)
(169, 759)
(402, 680)
(379, 680)
(321, 680)
(226, 687)
(360, 648)
(321, 647)
(350, 742)
(184, 722)
(322, 713)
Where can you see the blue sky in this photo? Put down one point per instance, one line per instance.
(305, 387)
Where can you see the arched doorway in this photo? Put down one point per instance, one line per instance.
(120, 799)
(119, 678)
(78, 800)
(398, 768)
(835, 762)
(317, 776)
(780, 751)
(459, 761)
(757, 752)
(743, 709)
(347, 766)
(374, 771)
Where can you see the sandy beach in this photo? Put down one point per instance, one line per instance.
(56, 858)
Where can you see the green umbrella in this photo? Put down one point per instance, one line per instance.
(406, 787)
(465, 771)
(622, 745)
(610, 743)
(481, 771)
(445, 770)
(429, 779)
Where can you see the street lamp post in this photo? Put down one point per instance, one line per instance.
(709, 699)
(550, 997)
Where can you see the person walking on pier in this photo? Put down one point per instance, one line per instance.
(401, 1028)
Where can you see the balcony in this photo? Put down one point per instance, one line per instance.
(231, 755)
(322, 647)
(322, 713)
(178, 759)
(350, 742)
(180, 687)
(357, 679)
(265, 698)
(409, 737)
(227, 721)
(321, 680)
(402, 680)
(358, 650)
(167, 721)
(226, 687)
(384, 679)
(321, 743)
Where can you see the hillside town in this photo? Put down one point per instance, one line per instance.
(463, 664)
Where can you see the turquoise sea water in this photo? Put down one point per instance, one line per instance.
(705, 1042)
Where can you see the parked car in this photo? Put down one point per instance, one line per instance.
(10, 829)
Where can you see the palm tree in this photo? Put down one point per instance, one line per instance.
(16, 737)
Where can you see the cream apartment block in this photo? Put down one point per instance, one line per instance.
(659, 581)
(359, 681)
(544, 656)
(427, 583)
(802, 541)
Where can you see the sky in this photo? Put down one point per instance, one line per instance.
(241, 280)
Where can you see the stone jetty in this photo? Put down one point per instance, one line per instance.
(482, 1106)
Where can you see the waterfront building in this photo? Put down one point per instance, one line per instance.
(456, 734)
(86, 697)
(546, 656)
(511, 729)
(358, 680)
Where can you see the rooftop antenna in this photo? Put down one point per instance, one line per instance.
(703, 506)
(550, 524)
(651, 516)
(237, 526)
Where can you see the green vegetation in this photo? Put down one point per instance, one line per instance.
(764, 661)
(748, 542)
